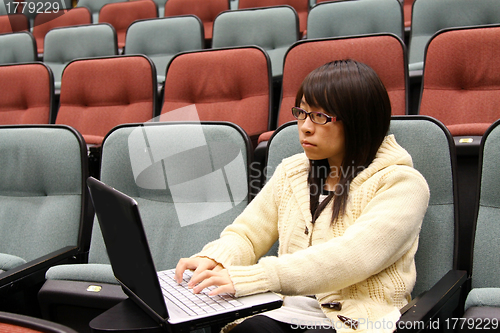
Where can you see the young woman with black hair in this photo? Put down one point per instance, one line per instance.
(347, 214)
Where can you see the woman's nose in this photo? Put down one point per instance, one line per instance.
(307, 125)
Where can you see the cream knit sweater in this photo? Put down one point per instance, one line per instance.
(365, 259)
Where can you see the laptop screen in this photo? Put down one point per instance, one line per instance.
(127, 245)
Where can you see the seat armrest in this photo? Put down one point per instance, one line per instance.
(35, 269)
(444, 296)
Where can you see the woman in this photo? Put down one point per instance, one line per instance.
(347, 214)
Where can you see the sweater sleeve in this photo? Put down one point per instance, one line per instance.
(252, 233)
(385, 231)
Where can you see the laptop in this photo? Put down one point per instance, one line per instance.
(133, 267)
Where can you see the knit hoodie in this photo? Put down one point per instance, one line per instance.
(365, 259)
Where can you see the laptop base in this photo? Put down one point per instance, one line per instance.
(127, 317)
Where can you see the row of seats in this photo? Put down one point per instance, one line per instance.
(346, 18)
(237, 28)
(137, 161)
(451, 90)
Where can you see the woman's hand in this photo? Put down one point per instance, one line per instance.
(207, 272)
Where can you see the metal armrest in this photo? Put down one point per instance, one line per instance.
(441, 300)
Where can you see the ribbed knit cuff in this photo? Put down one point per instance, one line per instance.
(225, 254)
(216, 254)
(250, 280)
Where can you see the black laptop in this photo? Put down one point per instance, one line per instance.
(157, 293)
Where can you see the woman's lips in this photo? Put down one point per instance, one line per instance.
(307, 144)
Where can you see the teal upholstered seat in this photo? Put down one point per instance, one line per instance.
(43, 203)
(169, 222)
(8, 262)
(161, 39)
(40, 190)
(347, 18)
(274, 29)
(17, 47)
(62, 45)
(430, 16)
(190, 181)
(485, 293)
(431, 147)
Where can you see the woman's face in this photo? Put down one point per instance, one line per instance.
(322, 141)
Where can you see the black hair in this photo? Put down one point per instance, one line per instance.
(352, 92)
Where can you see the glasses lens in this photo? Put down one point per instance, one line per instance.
(319, 118)
(299, 113)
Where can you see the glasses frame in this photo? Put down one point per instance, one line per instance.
(328, 118)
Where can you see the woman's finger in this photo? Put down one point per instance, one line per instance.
(219, 279)
(182, 265)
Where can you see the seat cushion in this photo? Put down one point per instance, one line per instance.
(483, 297)
(97, 273)
(478, 318)
(8, 261)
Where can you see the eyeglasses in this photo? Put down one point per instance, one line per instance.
(316, 117)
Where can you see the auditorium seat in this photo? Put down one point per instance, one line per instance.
(98, 94)
(274, 29)
(430, 16)
(439, 284)
(228, 84)
(27, 94)
(300, 6)
(461, 80)
(201, 160)
(43, 208)
(95, 6)
(206, 11)
(347, 18)
(65, 44)
(122, 14)
(13, 23)
(160, 39)
(44, 22)
(17, 48)
(482, 306)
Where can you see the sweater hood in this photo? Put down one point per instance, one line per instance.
(296, 167)
(389, 153)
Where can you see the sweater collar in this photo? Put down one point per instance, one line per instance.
(297, 169)
(389, 153)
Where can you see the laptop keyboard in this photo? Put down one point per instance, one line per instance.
(194, 304)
